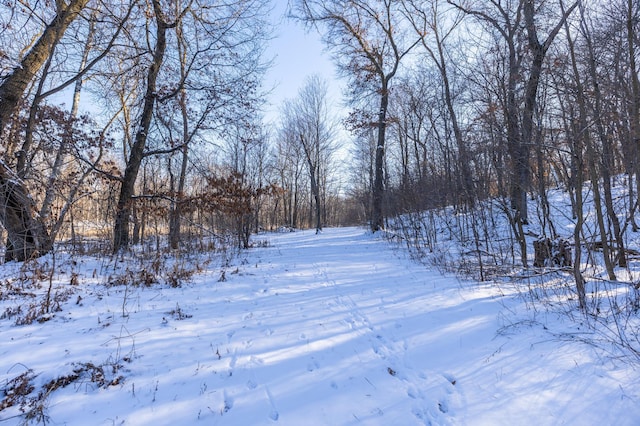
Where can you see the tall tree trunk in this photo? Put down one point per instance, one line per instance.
(432, 24)
(463, 152)
(377, 220)
(635, 112)
(175, 212)
(123, 209)
(27, 234)
(578, 181)
(590, 152)
(519, 160)
(45, 209)
(538, 50)
(313, 165)
(607, 157)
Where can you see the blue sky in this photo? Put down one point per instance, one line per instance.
(297, 54)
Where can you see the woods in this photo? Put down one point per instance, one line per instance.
(451, 106)
(180, 245)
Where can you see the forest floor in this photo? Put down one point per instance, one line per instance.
(340, 328)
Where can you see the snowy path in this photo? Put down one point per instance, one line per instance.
(356, 307)
(330, 329)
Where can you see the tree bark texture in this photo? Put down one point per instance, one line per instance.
(27, 236)
(14, 85)
(377, 220)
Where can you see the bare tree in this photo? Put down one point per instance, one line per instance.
(513, 21)
(307, 124)
(369, 44)
(631, 19)
(220, 62)
(428, 19)
(288, 169)
(81, 145)
(121, 228)
(210, 82)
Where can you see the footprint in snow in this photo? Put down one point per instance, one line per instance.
(312, 365)
(421, 415)
(451, 380)
(228, 402)
(273, 415)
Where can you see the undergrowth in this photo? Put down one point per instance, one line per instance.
(478, 245)
(32, 400)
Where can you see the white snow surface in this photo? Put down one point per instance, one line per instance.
(340, 328)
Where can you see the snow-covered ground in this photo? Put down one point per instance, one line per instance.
(339, 328)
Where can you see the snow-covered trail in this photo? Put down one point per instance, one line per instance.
(356, 311)
(330, 329)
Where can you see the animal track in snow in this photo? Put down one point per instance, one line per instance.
(273, 413)
(228, 402)
(312, 365)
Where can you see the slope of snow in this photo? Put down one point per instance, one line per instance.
(332, 329)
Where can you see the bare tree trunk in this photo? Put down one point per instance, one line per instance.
(175, 212)
(313, 175)
(464, 160)
(576, 181)
(45, 209)
(377, 220)
(607, 158)
(538, 51)
(27, 234)
(14, 85)
(590, 151)
(123, 209)
(635, 113)
(432, 25)
(577, 231)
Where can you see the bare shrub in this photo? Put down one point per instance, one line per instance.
(21, 392)
(17, 390)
